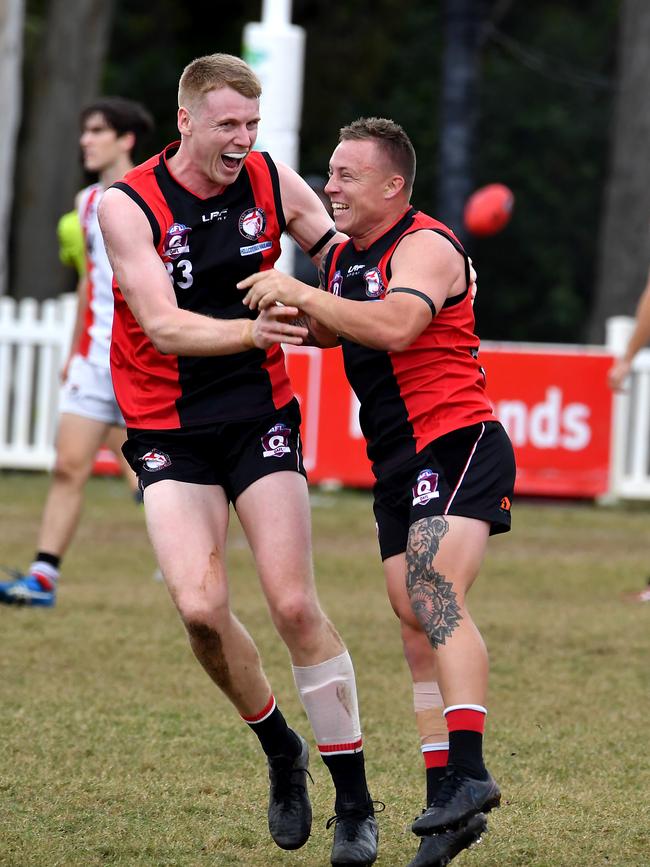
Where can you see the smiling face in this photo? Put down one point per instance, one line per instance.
(364, 190)
(218, 132)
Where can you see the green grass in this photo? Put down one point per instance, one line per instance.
(116, 749)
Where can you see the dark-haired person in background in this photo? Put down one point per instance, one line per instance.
(111, 129)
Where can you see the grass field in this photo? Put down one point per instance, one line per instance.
(116, 750)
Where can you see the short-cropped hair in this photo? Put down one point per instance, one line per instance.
(390, 137)
(214, 71)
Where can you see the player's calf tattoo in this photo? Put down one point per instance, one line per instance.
(433, 599)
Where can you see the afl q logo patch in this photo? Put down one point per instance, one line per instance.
(336, 283)
(275, 442)
(374, 284)
(176, 241)
(425, 488)
(154, 461)
(252, 223)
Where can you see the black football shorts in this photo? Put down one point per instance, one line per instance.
(230, 454)
(468, 472)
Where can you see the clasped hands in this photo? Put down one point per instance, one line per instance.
(276, 296)
(266, 288)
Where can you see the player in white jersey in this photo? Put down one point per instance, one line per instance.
(73, 248)
(111, 128)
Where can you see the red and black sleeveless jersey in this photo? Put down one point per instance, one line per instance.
(207, 246)
(409, 398)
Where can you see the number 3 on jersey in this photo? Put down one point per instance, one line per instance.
(186, 277)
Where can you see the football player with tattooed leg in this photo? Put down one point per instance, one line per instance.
(399, 299)
(212, 420)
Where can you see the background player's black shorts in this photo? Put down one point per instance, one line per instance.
(468, 472)
(230, 454)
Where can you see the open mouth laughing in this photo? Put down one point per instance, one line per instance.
(233, 161)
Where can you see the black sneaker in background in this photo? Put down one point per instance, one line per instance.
(437, 850)
(289, 807)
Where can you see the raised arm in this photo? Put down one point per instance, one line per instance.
(147, 289)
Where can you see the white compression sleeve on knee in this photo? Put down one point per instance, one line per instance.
(328, 692)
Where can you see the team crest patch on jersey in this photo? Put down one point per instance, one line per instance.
(176, 241)
(275, 442)
(425, 488)
(374, 283)
(153, 461)
(336, 283)
(252, 223)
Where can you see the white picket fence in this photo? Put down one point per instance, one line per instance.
(34, 342)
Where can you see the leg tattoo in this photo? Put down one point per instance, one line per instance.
(433, 599)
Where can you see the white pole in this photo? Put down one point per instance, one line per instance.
(275, 49)
(276, 12)
(617, 333)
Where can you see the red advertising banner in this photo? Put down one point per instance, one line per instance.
(333, 445)
(557, 409)
(555, 405)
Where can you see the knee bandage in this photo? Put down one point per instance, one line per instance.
(431, 723)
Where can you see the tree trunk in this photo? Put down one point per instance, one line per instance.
(464, 21)
(12, 13)
(66, 76)
(624, 249)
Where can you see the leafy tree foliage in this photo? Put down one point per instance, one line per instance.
(543, 120)
(544, 124)
(543, 129)
(149, 50)
(624, 242)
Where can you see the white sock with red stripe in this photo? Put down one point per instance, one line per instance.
(46, 574)
(328, 692)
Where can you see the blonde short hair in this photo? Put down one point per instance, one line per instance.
(215, 71)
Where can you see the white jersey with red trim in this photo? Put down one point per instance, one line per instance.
(95, 340)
